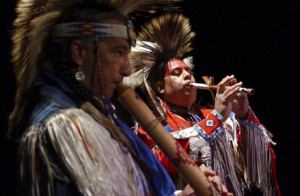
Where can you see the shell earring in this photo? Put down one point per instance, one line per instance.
(79, 75)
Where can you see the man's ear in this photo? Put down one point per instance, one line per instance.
(77, 52)
(159, 87)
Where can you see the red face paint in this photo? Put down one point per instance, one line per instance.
(176, 67)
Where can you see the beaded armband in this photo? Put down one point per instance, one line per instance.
(252, 119)
(210, 127)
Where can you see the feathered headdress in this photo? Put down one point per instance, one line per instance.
(34, 23)
(164, 38)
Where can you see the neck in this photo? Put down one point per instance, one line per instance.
(179, 110)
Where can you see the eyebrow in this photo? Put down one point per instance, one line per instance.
(121, 46)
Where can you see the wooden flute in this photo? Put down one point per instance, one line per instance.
(249, 91)
(185, 165)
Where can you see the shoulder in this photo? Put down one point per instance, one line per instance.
(53, 100)
(71, 117)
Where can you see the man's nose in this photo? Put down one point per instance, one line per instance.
(126, 68)
(187, 74)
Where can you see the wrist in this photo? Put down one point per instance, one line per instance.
(245, 117)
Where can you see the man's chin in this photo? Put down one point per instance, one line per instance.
(108, 94)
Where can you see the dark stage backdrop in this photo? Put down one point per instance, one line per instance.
(254, 40)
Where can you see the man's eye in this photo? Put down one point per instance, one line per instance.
(176, 72)
(118, 53)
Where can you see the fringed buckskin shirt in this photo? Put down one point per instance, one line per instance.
(240, 152)
(64, 151)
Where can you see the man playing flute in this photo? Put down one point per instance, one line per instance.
(227, 138)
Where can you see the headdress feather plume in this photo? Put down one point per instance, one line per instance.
(35, 19)
(162, 39)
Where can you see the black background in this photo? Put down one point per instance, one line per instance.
(257, 41)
